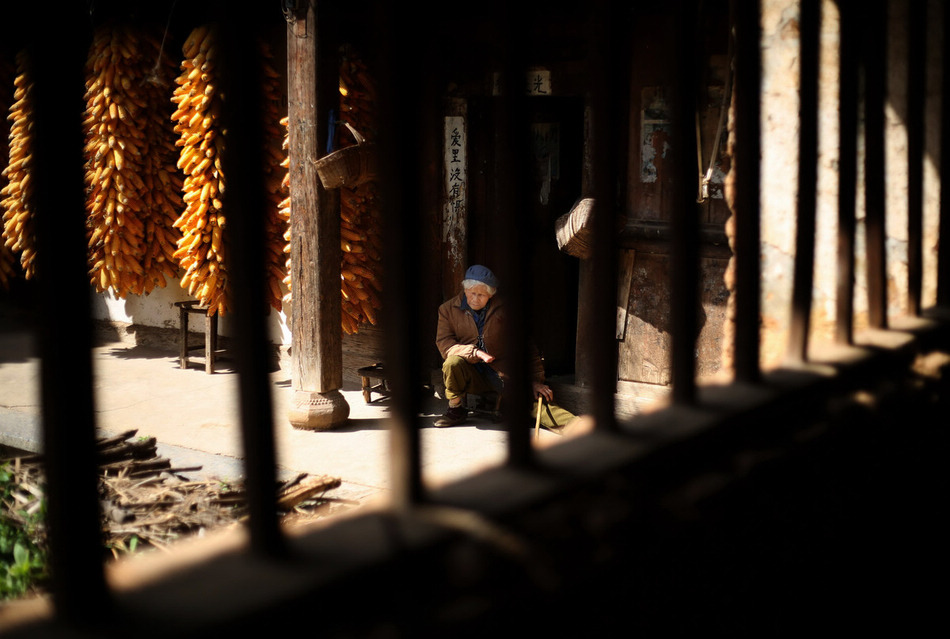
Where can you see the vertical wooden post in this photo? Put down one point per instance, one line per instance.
(603, 262)
(241, 114)
(847, 174)
(874, 60)
(399, 45)
(803, 278)
(584, 362)
(79, 590)
(316, 333)
(684, 254)
(916, 143)
(943, 248)
(747, 156)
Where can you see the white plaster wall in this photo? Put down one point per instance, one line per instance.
(158, 310)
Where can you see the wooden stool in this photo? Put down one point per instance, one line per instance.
(488, 404)
(367, 375)
(211, 333)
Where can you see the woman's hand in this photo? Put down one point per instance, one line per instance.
(543, 390)
(485, 357)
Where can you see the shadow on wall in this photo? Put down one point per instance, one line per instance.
(154, 320)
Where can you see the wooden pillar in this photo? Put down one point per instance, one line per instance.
(316, 333)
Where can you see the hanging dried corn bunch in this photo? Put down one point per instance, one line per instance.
(162, 179)
(201, 249)
(202, 141)
(283, 209)
(9, 269)
(359, 210)
(131, 183)
(277, 220)
(18, 231)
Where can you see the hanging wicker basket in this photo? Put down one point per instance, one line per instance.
(573, 231)
(351, 166)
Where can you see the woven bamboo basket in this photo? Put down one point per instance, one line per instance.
(351, 166)
(573, 231)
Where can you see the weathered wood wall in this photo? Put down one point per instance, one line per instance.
(644, 340)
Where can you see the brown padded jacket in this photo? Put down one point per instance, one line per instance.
(457, 334)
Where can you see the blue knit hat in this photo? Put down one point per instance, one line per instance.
(481, 274)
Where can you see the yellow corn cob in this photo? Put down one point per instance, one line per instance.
(200, 144)
(18, 237)
(9, 267)
(276, 219)
(128, 142)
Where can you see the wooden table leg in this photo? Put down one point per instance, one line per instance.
(183, 340)
(211, 333)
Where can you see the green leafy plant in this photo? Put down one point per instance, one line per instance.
(23, 564)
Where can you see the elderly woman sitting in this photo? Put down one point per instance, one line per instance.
(470, 337)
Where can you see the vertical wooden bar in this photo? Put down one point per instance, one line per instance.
(943, 249)
(874, 59)
(313, 74)
(684, 255)
(584, 363)
(183, 337)
(79, 591)
(916, 92)
(211, 329)
(602, 283)
(242, 116)
(748, 186)
(400, 122)
(803, 276)
(512, 157)
(847, 172)
(213, 339)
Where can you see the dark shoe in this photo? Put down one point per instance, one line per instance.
(453, 416)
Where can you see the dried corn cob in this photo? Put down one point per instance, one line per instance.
(18, 231)
(9, 267)
(201, 249)
(283, 210)
(277, 220)
(163, 180)
(202, 141)
(130, 191)
(359, 209)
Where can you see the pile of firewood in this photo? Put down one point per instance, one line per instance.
(148, 503)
